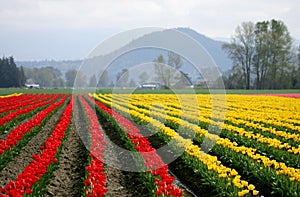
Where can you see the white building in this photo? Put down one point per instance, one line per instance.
(32, 85)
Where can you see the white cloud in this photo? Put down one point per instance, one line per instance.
(217, 18)
(210, 17)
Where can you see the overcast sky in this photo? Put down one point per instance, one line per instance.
(70, 29)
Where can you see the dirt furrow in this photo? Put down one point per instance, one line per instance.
(68, 178)
(119, 182)
(116, 179)
(16, 167)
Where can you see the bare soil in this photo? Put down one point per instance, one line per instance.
(16, 167)
(68, 178)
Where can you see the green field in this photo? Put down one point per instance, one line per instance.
(5, 91)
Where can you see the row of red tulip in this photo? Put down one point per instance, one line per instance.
(38, 167)
(11, 98)
(17, 133)
(16, 113)
(96, 180)
(15, 102)
(152, 160)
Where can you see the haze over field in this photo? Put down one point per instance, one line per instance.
(36, 30)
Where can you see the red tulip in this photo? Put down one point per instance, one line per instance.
(96, 179)
(38, 167)
(152, 160)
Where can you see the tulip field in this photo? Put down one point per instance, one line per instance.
(179, 145)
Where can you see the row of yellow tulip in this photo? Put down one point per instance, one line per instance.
(233, 114)
(211, 162)
(272, 108)
(205, 117)
(10, 95)
(279, 166)
(244, 107)
(257, 126)
(172, 115)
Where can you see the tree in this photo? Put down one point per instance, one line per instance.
(122, 78)
(241, 49)
(159, 69)
(70, 77)
(280, 48)
(183, 80)
(166, 73)
(22, 76)
(14, 73)
(10, 74)
(296, 71)
(262, 54)
(93, 81)
(233, 77)
(143, 77)
(103, 79)
(273, 59)
(132, 83)
(45, 76)
(58, 82)
(266, 51)
(5, 80)
(81, 80)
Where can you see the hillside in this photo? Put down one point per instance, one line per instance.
(213, 47)
(140, 56)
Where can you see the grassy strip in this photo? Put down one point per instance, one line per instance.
(7, 91)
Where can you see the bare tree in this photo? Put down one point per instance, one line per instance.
(143, 77)
(166, 73)
(241, 49)
(122, 78)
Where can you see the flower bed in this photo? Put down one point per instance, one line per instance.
(153, 163)
(41, 161)
(34, 105)
(95, 180)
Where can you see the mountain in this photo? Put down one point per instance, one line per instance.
(126, 59)
(213, 47)
(146, 47)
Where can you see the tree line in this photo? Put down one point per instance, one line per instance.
(10, 74)
(53, 77)
(264, 57)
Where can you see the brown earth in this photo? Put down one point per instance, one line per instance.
(68, 179)
(16, 167)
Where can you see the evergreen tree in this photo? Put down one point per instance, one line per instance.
(10, 74)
